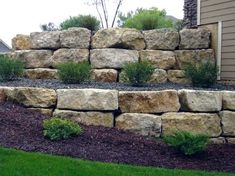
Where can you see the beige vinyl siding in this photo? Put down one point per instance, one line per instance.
(213, 11)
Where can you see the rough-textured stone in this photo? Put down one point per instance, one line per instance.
(87, 118)
(200, 101)
(21, 42)
(33, 97)
(185, 57)
(46, 112)
(118, 38)
(228, 122)
(112, 58)
(160, 59)
(177, 76)
(2, 95)
(194, 39)
(149, 101)
(231, 140)
(202, 123)
(218, 140)
(228, 100)
(104, 75)
(159, 76)
(45, 40)
(34, 58)
(41, 73)
(87, 99)
(144, 124)
(161, 39)
(75, 38)
(69, 55)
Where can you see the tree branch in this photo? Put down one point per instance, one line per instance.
(116, 12)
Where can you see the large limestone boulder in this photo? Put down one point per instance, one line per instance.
(125, 38)
(21, 42)
(194, 38)
(228, 123)
(41, 73)
(34, 58)
(144, 124)
(87, 99)
(177, 76)
(149, 101)
(75, 38)
(200, 123)
(229, 100)
(159, 59)
(200, 101)
(112, 58)
(104, 75)
(33, 97)
(185, 57)
(87, 118)
(161, 39)
(45, 40)
(159, 76)
(69, 55)
(46, 112)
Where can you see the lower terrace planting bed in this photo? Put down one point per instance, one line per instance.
(22, 129)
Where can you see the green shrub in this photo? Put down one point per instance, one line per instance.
(203, 74)
(72, 73)
(10, 68)
(186, 142)
(137, 74)
(57, 128)
(84, 21)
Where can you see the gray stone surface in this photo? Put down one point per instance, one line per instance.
(228, 100)
(228, 123)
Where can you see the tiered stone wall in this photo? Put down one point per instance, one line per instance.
(109, 49)
(145, 112)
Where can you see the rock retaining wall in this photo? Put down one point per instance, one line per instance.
(151, 113)
(109, 49)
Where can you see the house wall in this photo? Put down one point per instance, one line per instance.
(213, 11)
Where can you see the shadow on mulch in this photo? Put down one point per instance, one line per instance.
(21, 128)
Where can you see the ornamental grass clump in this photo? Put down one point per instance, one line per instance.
(10, 69)
(58, 129)
(138, 73)
(186, 142)
(202, 74)
(73, 73)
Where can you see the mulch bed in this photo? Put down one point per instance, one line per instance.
(21, 128)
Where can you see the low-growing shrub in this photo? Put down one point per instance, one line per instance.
(72, 73)
(137, 74)
(202, 74)
(84, 21)
(57, 128)
(186, 142)
(10, 68)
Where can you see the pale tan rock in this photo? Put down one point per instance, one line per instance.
(144, 124)
(200, 101)
(3, 95)
(228, 100)
(219, 140)
(87, 99)
(149, 101)
(104, 75)
(199, 123)
(228, 122)
(87, 118)
(159, 76)
(41, 73)
(177, 76)
(159, 59)
(46, 112)
(231, 140)
(21, 42)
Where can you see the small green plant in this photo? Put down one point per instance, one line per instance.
(58, 129)
(10, 68)
(84, 21)
(137, 74)
(72, 73)
(202, 74)
(186, 142)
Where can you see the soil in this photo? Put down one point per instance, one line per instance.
(21, 128)
(57, 84)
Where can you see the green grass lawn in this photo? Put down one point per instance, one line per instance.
(18, 163)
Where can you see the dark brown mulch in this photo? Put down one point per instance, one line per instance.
(22, 129)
